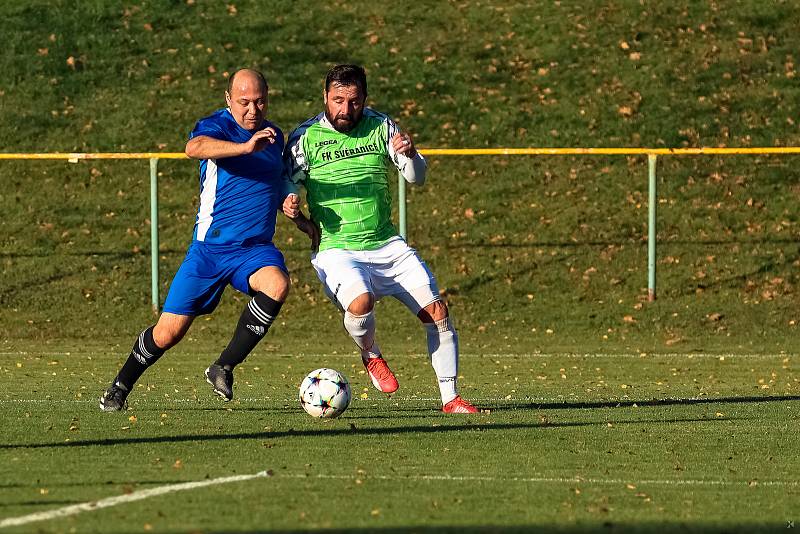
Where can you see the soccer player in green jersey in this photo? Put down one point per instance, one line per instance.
(342, 158)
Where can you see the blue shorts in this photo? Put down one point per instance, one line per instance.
(208, 269)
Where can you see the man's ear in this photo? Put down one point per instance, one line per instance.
(228, 98)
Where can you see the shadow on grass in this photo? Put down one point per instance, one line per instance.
(607, 526)
(93, 484)
(38, 503)
(353, 430)
(353, 412)
(642, 403)
(393, 412)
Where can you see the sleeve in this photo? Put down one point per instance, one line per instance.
(412, 169)
(209, 127)
(295, 166)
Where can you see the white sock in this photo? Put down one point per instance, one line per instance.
(362, 329)
(443, 350)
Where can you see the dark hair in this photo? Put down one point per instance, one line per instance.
(257, 74)
(347, 75)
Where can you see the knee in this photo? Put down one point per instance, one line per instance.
(433, 312)
(362, 304)
(281, 287)
(271, 281)
(166, 337)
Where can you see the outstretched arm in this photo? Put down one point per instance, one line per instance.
(206, 147)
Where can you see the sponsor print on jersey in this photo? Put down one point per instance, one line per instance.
(346, 179)
(370, 148)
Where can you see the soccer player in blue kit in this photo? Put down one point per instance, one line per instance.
(241, 190)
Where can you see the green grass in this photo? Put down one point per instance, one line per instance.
(520, 243)
(543, 261)
(570, 443)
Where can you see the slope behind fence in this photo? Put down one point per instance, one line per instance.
(651, 153)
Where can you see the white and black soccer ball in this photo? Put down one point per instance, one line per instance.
(325, 393)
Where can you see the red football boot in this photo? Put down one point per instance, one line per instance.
(382, 377)
(459, 405)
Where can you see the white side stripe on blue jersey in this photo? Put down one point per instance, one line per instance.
(207, 199)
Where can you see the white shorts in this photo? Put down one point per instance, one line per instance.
(394, 270)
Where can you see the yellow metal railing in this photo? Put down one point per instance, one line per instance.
(651, 153)
(76, 156)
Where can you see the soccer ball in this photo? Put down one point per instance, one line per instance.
(325, 393)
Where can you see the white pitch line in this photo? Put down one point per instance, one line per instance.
(123, 499)
(639, 355)
(154, 492)
(560, 480)
(393, 400)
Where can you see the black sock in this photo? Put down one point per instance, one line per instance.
(253, 325)
(145, 353)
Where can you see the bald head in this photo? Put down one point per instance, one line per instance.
(247, 98)
(250, 75)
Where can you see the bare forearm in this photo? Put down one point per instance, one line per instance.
(204, 147)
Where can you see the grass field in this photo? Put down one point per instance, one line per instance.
(523, 245)
(568, 443)
(605, 412)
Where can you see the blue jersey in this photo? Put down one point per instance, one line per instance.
(239, 196)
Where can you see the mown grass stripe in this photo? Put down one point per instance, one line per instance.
(172, 488)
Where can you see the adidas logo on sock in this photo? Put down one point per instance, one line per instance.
(257, 330)
(139, 358)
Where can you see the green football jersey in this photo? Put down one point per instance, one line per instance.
(346, 179)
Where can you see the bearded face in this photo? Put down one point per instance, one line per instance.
(344, 106)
